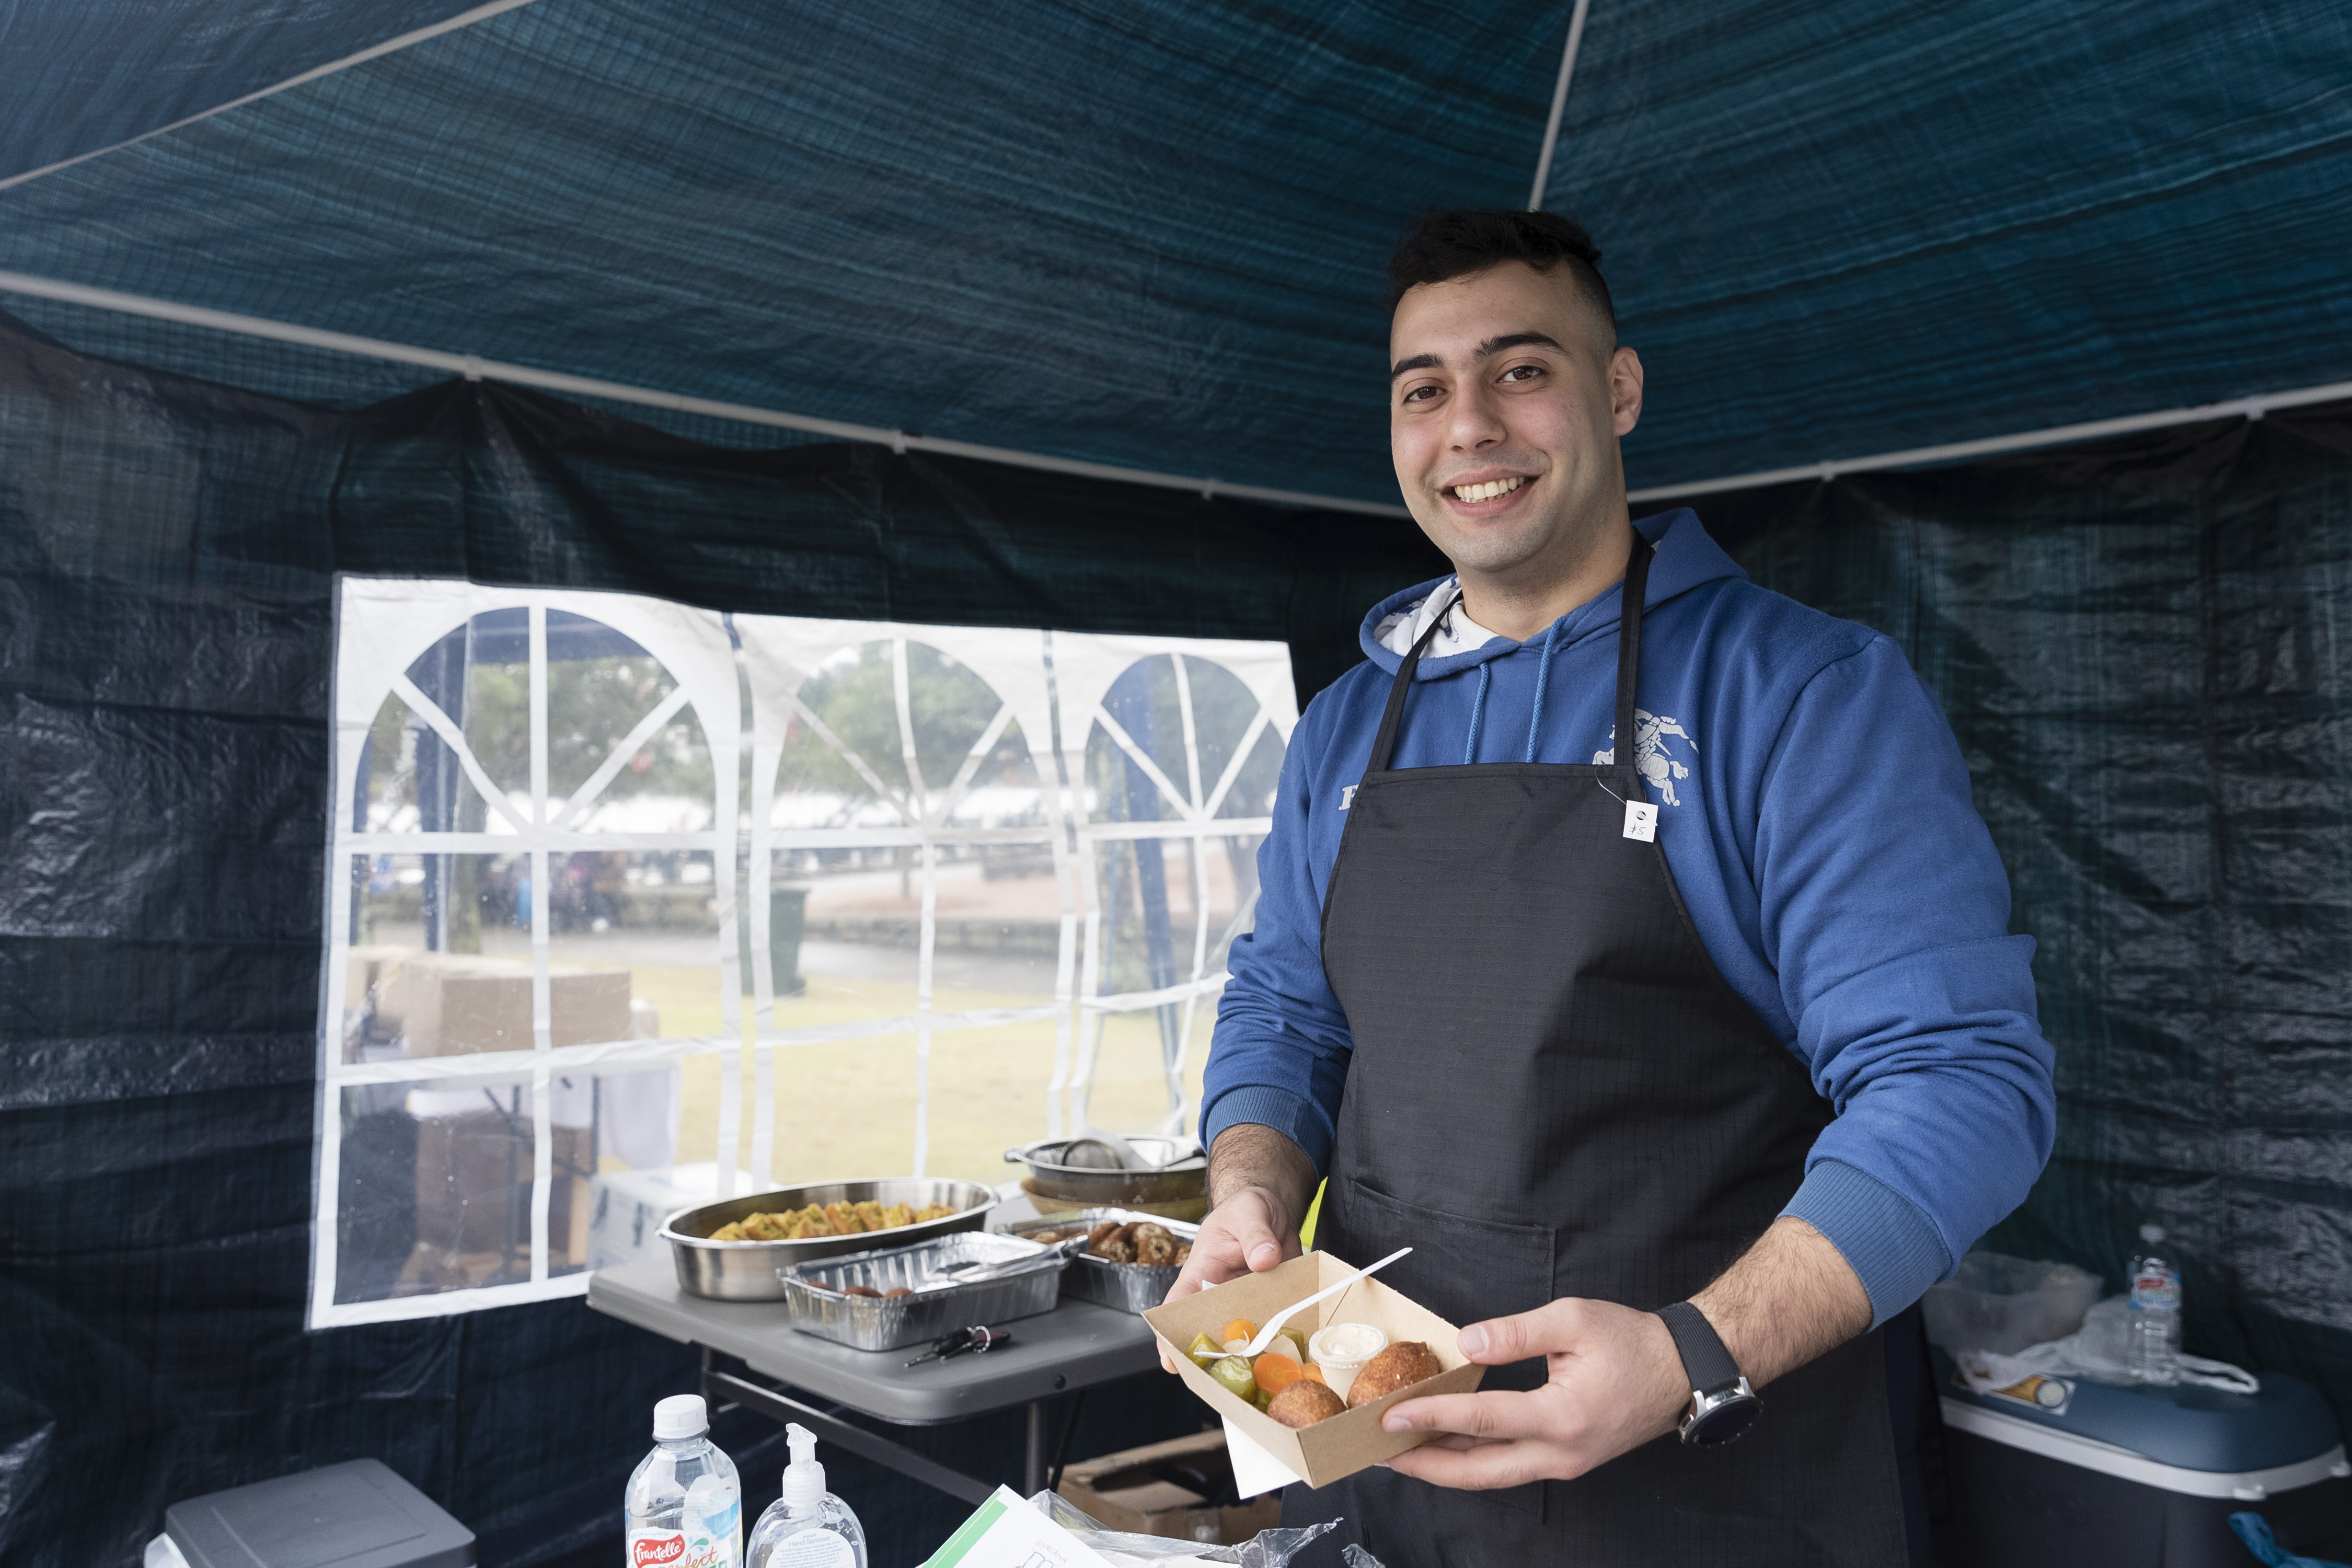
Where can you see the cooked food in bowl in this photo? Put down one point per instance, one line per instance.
(1140, 1241)
(827, 1219)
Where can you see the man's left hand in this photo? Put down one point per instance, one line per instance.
(1616, 1383)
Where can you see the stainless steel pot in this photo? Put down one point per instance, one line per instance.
(746, 1271)
(1176, 1172)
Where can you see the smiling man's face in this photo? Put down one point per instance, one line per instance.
(1504, 413)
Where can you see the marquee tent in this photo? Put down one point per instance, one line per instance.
(2015, 331)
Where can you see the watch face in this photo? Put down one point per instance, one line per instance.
(1726, 1423)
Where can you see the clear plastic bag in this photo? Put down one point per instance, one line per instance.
(2003, 1304)
(1268, 1549)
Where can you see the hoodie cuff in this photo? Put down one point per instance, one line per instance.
(1889, 1241)
(1291, 1115)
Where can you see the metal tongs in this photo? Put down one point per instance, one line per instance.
(973, 1273)
(978, 1340)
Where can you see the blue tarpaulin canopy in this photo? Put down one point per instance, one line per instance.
(1152, 235)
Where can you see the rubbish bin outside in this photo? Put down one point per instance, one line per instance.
(787, 918)
(2135, 1476)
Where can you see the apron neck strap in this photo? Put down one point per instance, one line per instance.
(1384, 743)
(1629, 662)
(1629, 667)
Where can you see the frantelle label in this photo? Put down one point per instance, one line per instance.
(2155, 1289)
(671, 1549)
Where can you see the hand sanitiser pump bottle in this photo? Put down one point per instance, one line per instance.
(808, 1527)
(685, 1509)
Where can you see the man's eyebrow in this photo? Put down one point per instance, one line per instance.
(1486, 350)
(1493, 346)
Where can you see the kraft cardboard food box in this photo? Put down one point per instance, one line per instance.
(1339, 1446)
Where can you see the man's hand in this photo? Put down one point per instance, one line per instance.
(1259, 1183)
(1615, 1384)
(1616, 1379)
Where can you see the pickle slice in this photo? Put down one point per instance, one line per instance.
(1232, 1373)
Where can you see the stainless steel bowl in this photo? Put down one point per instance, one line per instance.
(1175, 1177)
(746, 1271)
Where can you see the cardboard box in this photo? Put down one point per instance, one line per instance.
(453, 1004)
(1340, 1447)
(1139, 1491)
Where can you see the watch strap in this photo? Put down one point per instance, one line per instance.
(1704, 1360)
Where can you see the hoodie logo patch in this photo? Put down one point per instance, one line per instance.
(1347, 796)
(1655, 753)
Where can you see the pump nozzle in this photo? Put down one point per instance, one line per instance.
(804, 1478)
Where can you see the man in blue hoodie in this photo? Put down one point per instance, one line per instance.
(1629, 946)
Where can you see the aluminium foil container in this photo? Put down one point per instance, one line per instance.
(1130, 1287)
(814, 1298)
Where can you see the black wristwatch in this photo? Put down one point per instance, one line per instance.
(1722, 1406)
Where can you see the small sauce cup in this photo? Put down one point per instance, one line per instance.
(1342, 1349)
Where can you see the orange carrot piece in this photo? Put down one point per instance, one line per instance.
(1274, 1371)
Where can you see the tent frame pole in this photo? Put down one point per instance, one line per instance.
(473, 367)
(2248, 408)
(373, 52)
(1558, 104)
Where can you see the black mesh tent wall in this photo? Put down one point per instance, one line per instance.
(2142, 645)
(2136, 643)
(167, 559)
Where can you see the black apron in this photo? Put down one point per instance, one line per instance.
(1555, 1093)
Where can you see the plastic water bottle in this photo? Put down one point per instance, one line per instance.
(808, 1527)
(2155, 1313)
(685, 1506)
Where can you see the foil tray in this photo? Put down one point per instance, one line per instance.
(813, 1297)
(1130, 1287)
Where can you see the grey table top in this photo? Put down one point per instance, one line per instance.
(1077, 1345)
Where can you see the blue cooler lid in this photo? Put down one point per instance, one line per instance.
(2185, 1425)
(354, 1515)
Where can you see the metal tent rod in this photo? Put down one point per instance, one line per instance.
(2021, 441)
(375, 52)
(475, 368)
(1559, 103)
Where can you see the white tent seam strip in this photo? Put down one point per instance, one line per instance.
(2252, 407)
(1558, 104)
(474, 367)
(375, 52)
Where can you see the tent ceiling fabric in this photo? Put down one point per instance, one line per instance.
(1151, 235)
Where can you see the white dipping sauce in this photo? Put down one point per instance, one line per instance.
(1342, 1349)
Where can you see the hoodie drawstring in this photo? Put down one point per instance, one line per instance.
(1477, 713)
(1543, 675)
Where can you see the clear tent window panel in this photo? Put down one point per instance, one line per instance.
(633, 905)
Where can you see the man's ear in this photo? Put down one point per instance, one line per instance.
(1625, 389)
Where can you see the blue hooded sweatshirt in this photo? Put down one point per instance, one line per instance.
(1815, 812)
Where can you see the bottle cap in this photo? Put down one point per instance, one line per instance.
(2151, 1233)
(804, 1478)
(680, 1416)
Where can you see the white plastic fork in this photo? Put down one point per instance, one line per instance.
(1274, 1324)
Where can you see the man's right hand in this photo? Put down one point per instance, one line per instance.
(1260, 1182)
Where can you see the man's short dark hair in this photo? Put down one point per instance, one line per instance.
(1456, 243)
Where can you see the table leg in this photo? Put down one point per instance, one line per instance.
(1032, 1456)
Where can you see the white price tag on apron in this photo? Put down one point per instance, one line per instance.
(1641, 821)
